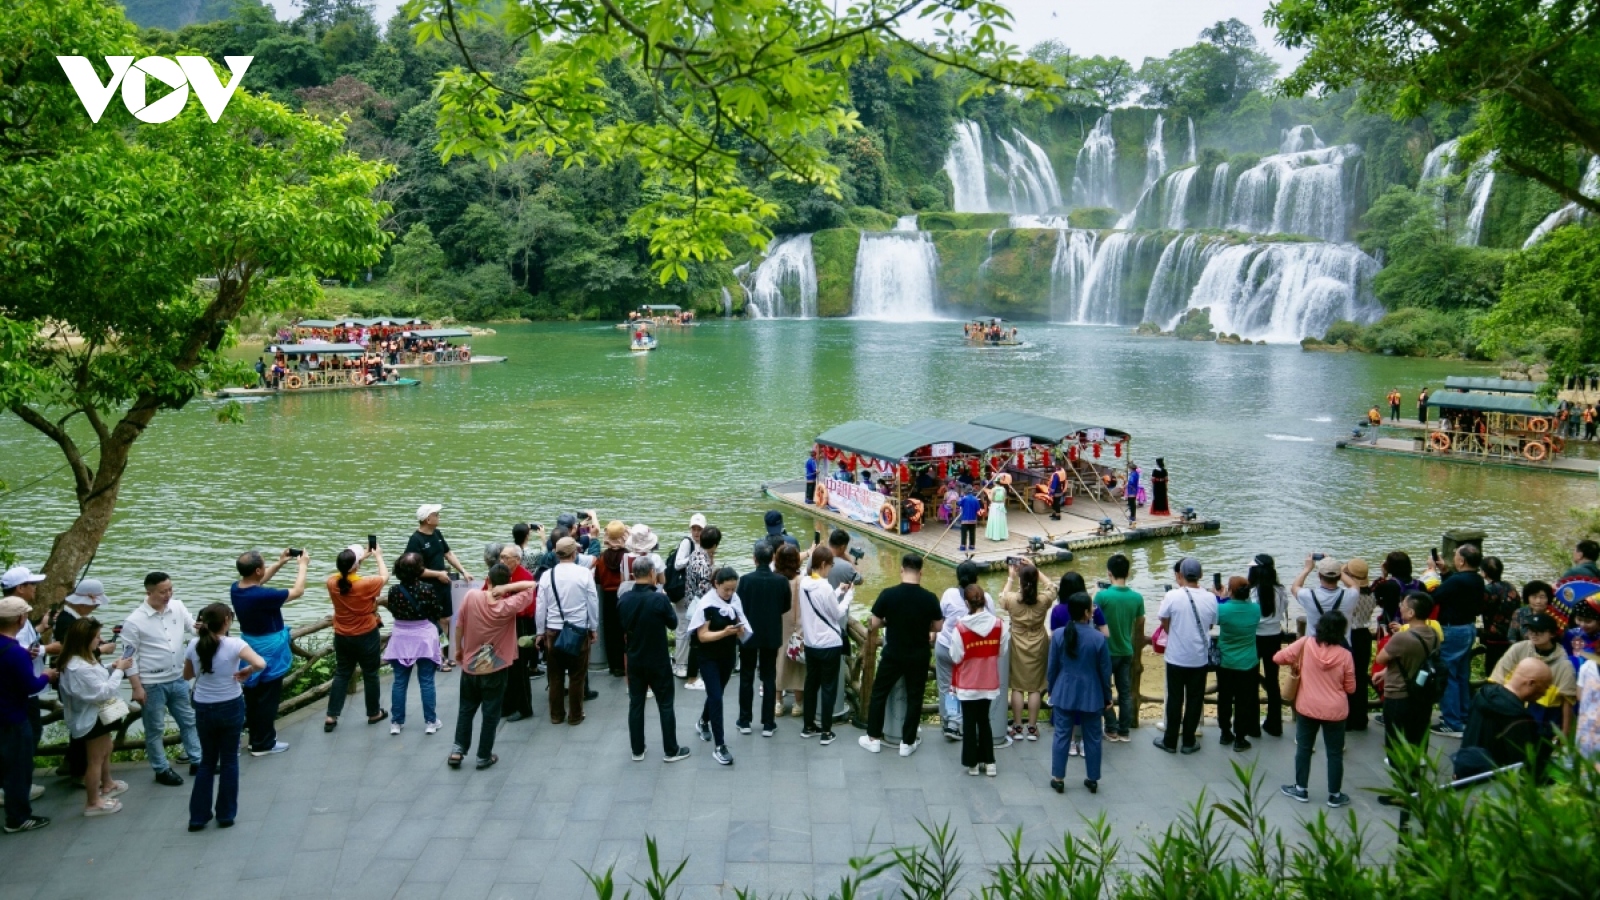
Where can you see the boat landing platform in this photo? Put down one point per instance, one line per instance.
(1078, 529)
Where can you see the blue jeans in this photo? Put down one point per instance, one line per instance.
(1120, 718)
(1456, 652)
(160, 699)
(402, 680)
(219, 725)
(1089, 723)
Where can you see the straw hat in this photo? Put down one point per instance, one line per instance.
(616, 534)
(641, 539)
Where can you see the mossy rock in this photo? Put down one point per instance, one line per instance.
(1004, 273)
(1094, 218)
(869, 218)
(952, 221)
(1148, 329)
(833, 251)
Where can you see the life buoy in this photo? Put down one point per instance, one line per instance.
(1440, 441)
(1535, 451)
(427, 359)
(888, 516)
(466, 355)
(1557, 443)
(1539, 426)
(294, 383)
(820, 495)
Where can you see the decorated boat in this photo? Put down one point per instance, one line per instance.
(315, 367)
(643, 338)
(434, 348)
(1499, 424)
(990, 332)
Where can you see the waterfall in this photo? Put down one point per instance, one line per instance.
(1193, 154)
(1163, 204)
(1572, 212)
(906, 223)
(1217, 200)
(727, 302)
(896, 276)
(1095, 181)
(964, 164)
(1031, 183)
(1300, 137)
(785, 284)
(1177, 272)
(1111, 280)
(1439, 163)
(1302, 192)
(1479, 183)
(1155, 153)
(1281, 292)
(1049, 223)
(1069, 270)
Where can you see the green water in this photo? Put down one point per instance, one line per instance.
(573, 421)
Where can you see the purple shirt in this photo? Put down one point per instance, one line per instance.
(1059, 619)
(17, 681)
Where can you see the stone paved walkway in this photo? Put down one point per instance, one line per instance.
(360, 814)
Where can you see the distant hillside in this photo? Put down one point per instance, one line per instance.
(174, 14)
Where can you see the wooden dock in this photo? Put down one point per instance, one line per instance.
(1562, 465)
(1034, 536)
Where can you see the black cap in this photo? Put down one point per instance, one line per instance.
(1543, 622)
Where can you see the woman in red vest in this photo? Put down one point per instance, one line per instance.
(975, 649)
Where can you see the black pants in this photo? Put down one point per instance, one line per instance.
(261, 713)
(519, 692)
(16, 771)
(715, 673)
(1404, 721)
(1361, 649)
(759, 662)
(1394, 412)
(890, 671)
(1186, 694)
(567, 679)
(349, 652)
(485, 692)
(1266, 646)
(658, 679)
(822, 685)
(1238, 702)
(611, 632)
(1133, 507)
(969, 534)
(811, 492)
(977, 736)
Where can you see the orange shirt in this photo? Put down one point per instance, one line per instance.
(355, 613)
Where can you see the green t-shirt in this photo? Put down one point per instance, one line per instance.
(1122, 607)
(1237, 621)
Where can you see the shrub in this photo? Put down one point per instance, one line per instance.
(1094, 218)
(1344, 332)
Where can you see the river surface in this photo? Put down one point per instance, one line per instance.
(573, 421)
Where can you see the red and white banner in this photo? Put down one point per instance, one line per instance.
(855, 501)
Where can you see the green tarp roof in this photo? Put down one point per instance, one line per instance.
(969, 436)
(315, 323)
(1500, 403)
(1043, 429)
(670, 307)
(1502, 385)
(440, 333)
(307, 349)
(874, 440)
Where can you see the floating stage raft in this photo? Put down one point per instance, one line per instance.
(1560, 465)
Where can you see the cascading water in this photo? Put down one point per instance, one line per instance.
(896, 276)
(1095, 181)
(1572, 212)
(1155, 152)
(1164, 204)
(1110, 287)
(1302, 192)
(1440, 162)
(1048, 223)
(727, 302)
(1217, 200)
(1193, 154)
(905, 223)
(1281, 292)
(1177, 272)
(1069, 270)
(964, 164)
(784, 286)
(1479, 183)
(1031, 183)
(1300, 137)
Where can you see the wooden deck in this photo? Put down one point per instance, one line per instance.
(227, 393)
(1562, 465)
(475, 361)
(1078, 529)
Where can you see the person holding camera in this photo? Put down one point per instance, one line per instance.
(437, 560)
(717, 617)
(258, 609)
(414, 641)
(84, 685)
(355, 630)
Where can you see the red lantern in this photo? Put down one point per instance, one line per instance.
(944, 469)
(903, 472)
(1072, 454)
(973, 468)
(1044, 459)
(1096, 451)
(1118, 448)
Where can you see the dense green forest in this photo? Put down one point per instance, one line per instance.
(536, 237)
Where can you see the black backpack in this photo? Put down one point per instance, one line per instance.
(677, 577)
(1426, 684)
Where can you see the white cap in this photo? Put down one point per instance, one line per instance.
(697, 521)
(426, 510)
(90, 592)
(16, 576)
(359, 550)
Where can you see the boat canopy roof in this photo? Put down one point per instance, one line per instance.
(440, 333)
(877, 441)
(1043, 429)
(315, 323)
(968, 437)
(665, 307)
(323, 349)
(1498, 403)
(1499, 385)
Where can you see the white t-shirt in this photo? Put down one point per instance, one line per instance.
(1341, 598)
(1188, 640)
(218, 685)
(954, 607)
(627, 569)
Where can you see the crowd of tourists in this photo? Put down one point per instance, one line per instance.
(778, 617)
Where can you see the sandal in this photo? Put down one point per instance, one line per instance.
(454, 761)
(486, 763)
(118, 788)
(449, 666)
(106, 808)
(329, 724)
(373, 720)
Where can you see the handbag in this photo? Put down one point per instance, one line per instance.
(795, 649)
(1213, 648)
(113, 711)
(572, 638)
(1158, 640)
(1291, 682)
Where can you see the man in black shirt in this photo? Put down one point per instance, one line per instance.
(1459, 599)
(1500, 731)
(765, 596)
(646, 614)
(429, 543)
(912, 617)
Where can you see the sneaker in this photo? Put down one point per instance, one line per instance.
(683, 753)
(991, 770)
(769, 730)
(32, 823)
(1161, 726)
(1338, 801)
(696, 685)
(680, 672)
(34, 793)
(1162, 745)
(169, 778)
(809, 732)
(975, 770)
(1227, 737)
(908, 749)
(828, 737)
(394, 727)
(744, 727)
(638, 757)
(1241, 745)
(433, 727)
(952, 734)
(1379, 719)
(1187, 749)
(279, 747)
(1295, 792)
(1387, 800)
(722, 756)
(702, 728)
(1076, 749)
(1033, 732)
(1443, 730)
(871, 745)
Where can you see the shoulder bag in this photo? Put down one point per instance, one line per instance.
(1213, 648)
(573, 638)
(114, 710)
(1290, 688)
